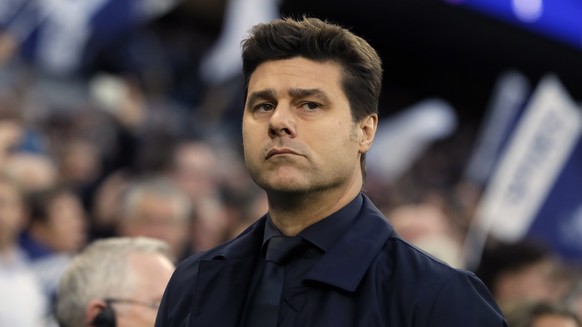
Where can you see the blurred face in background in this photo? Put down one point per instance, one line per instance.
(66, 223)
(533, 282)
(209, 226)
(11, 132)
(195, 169)
(416, 221)
(11, 214)
(79, 162)
(554, 320)
(160, 218)
(64, 228)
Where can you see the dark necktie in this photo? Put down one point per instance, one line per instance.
(264, 307)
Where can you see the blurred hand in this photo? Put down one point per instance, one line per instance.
(10, 134)
(7, 48)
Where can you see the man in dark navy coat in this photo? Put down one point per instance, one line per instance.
(310, 116)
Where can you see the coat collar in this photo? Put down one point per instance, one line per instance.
(247, 244)
(342, 266)
(345, 264)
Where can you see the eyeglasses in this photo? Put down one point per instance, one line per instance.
(152, 305)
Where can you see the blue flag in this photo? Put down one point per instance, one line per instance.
(53, 34)
(536, 187)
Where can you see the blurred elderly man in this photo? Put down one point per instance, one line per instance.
(155, 207)
(114, 282)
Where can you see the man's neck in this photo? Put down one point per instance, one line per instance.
(292, 213)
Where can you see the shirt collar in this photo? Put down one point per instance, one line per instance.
(326, 231)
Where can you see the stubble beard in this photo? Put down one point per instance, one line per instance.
(318, 181)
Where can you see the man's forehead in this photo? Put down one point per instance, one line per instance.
(295, 66)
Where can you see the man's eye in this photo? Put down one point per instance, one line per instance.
(310, 105)
(264, 107)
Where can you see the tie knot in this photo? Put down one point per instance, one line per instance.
(282, 248)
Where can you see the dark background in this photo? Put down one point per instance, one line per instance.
(431, 48)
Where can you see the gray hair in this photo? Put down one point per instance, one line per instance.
(100, 271)
(159, 187)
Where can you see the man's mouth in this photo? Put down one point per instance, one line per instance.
(279, 151)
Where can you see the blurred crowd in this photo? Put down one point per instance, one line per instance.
(142, 138)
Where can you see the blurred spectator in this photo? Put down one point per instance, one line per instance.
(540, 314)
(194, 169)
(209, 225)
(154, 207)
(427, 227)
(244, 208)
(572, 297)
(22, 302)
(57, 229)
(7, 48)
(78, 161)
(11, 127)
(81, 141)
(57, 222)
(107, 205)
(33, 172)
(114, 282)
(519, 271)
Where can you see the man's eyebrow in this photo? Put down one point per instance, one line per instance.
(263, 94)
(303, 93)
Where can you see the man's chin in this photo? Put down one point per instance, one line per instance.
(283, 184)
(284, 187)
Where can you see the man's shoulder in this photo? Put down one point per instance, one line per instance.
(188, 268)
(419, 276)
(422, 281)
(412, 261)
(399, 255)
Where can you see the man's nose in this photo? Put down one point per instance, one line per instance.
(282, 122)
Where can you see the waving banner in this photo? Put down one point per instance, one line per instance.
(536, 188)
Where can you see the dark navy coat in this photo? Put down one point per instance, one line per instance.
(370, 277)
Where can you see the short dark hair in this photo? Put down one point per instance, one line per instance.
(510, 257)
(39, 202)
(320, 41)
(525, 313)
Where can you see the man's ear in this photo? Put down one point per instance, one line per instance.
(94, 308)
(367, 127)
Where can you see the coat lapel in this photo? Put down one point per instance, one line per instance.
(223, 281)
(345, 264)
